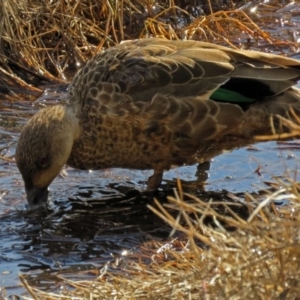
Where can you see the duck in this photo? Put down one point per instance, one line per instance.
(153, 104)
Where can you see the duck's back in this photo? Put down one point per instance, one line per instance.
(146, 102)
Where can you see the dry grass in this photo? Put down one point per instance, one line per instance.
(40, 40)
(254, 258)
(292, 124)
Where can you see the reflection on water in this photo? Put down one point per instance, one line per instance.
(95, 216)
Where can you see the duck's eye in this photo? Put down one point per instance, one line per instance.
(44, 162)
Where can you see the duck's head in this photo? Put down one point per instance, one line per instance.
(43, 149)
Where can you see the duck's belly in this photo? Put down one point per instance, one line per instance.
(132, 145)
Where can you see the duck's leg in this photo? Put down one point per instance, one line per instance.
(154, 181)
(202, 171)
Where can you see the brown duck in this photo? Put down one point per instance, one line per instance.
(154, 103)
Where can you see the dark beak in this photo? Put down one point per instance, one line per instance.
(36, 197)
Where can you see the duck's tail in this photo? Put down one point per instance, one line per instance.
(263, 117)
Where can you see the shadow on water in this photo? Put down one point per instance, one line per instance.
(96, 217)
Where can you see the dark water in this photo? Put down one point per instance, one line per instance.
(97, 216)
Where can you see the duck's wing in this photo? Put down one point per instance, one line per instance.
(143, 68)
(171, 82)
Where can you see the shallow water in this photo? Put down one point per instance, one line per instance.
(96, 216)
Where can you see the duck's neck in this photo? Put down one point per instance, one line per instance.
(63, 128)
(71, 121)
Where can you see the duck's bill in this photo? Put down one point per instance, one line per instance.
(37, 197)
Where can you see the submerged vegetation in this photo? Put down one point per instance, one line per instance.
(229, 257)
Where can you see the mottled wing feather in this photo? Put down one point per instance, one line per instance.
(193, 117)
(170, 83)
(142, 72)
(143, 68)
